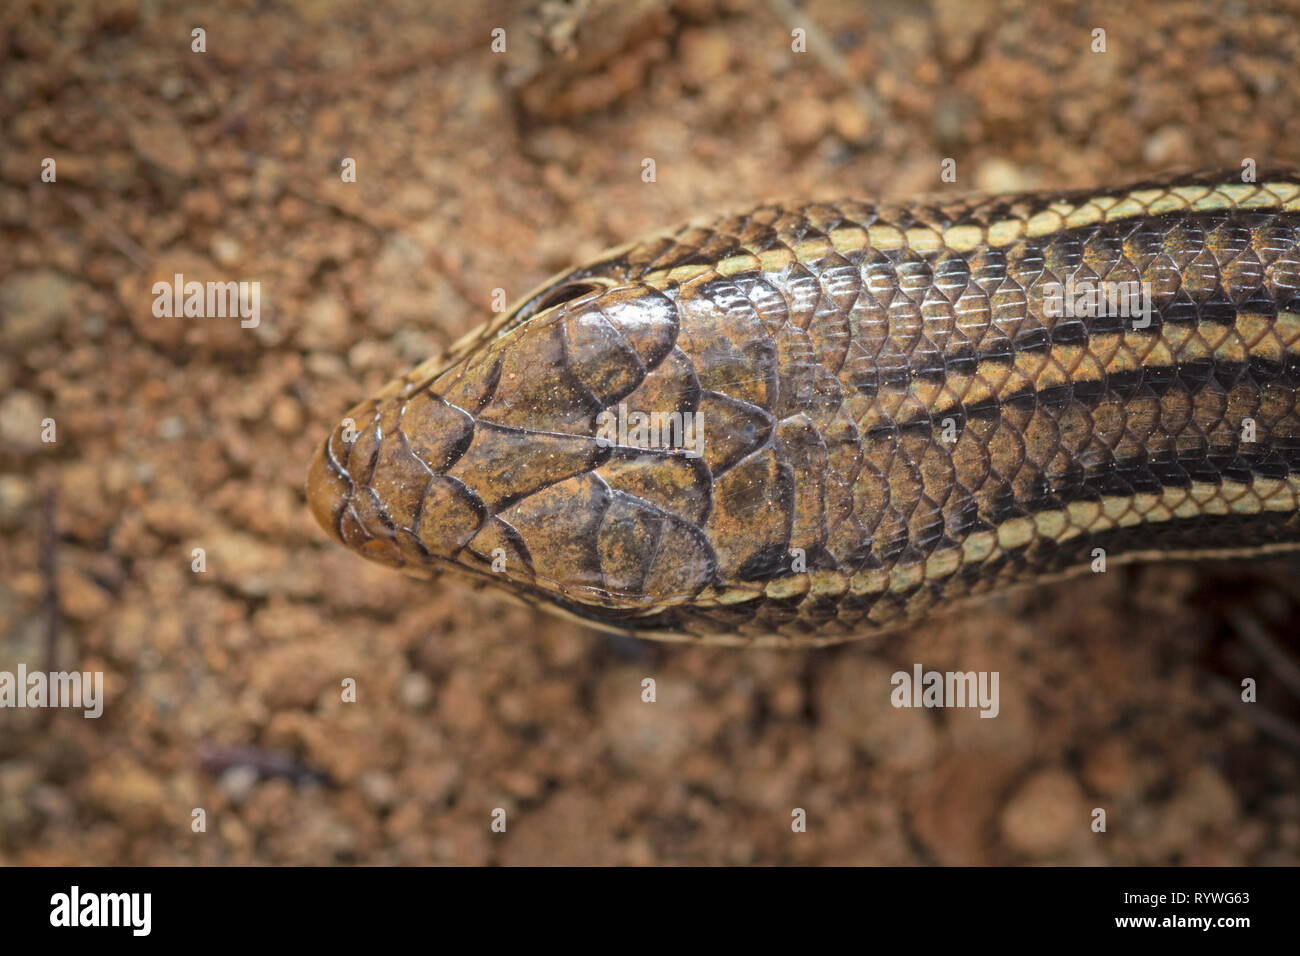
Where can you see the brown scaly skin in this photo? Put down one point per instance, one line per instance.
(893, 420)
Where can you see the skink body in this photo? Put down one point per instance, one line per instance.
(808, 422)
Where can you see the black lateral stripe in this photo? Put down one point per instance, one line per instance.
(1156, 379)
(1177, 307)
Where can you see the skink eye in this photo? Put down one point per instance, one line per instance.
(561, 294)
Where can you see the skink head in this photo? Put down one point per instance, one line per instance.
(510, 465)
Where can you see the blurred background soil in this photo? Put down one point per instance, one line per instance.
(478, 170)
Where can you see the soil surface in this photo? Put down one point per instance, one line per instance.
(478, 170)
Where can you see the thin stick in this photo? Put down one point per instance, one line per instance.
(1279, 728)
(1279, 662)
(120, 240)
(821, 46)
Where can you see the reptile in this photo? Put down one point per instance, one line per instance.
(811, 422)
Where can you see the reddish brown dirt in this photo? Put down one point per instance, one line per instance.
(477, 171)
